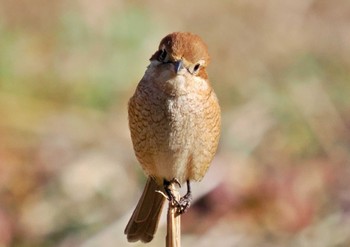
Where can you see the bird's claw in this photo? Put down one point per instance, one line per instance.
(181, 205)
(184, 203)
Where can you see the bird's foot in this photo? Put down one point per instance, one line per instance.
(184, 203)
(169, 192)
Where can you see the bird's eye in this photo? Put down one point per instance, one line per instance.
(196, 68)
(162, 55)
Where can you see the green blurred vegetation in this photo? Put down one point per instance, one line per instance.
(47, 63)
(281, 70)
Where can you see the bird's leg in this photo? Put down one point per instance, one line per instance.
(185, 201)
(169, 193)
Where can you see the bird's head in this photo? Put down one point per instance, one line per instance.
(185, 52)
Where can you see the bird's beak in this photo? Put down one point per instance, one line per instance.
(178, 65)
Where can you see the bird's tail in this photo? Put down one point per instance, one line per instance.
(144, 220)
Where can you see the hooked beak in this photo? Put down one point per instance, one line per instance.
(178, 66)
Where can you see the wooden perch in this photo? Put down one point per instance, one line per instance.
(173, 237)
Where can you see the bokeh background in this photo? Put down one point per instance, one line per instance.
(281, 69)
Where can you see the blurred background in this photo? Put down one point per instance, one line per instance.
(281, 70)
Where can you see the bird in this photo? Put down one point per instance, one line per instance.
(175, 124)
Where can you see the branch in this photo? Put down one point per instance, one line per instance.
(173, 238)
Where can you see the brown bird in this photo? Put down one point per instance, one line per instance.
(174, 120)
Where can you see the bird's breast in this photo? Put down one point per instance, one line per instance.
(172, 125)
